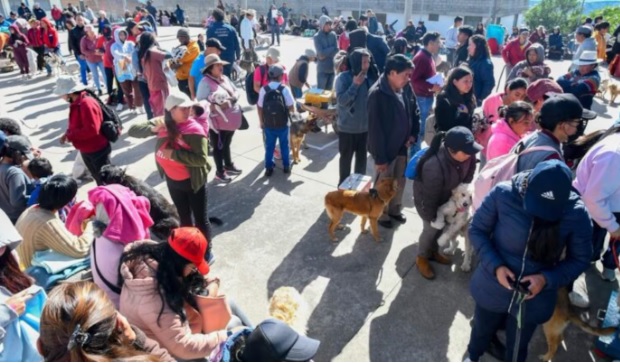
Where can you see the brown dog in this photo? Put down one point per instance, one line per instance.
(614, 91)
(562, 316)
(368, 205)
(298, 130)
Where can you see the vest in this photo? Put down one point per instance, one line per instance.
(293, 75)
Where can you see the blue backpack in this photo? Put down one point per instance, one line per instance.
(410, 172)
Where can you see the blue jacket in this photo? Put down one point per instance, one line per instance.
(499, 233)
(227, 35)
(484, 80)
(379, 50)
(373, 25)
(19, 334)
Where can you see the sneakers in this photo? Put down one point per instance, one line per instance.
(119, 107)
(286, 170)
(609, 274)
(578, 300)
(232, 170)
(425, 268)
(223, 177)
(268, 172)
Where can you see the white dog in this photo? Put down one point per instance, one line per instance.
(217, 99)
(456, 214)
(262, 41)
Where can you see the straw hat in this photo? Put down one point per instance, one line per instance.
(586, 58)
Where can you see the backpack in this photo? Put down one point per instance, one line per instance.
(111, 125)
(275, 112)
(412, 167)
(498, 170)
(250, 94)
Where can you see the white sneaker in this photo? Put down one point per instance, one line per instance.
(579, 300)
(119, 107)
(609, 274)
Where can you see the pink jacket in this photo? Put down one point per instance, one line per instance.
(129, 218)
(598, 181)
(502, 140)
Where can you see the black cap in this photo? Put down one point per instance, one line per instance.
(275, 341)
(460, 138)
(20, 144)
(215, 43)
(562, 107)
(363, 17)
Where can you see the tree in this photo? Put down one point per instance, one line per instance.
(551, 13)
(610, 14)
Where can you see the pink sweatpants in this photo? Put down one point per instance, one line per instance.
(157, 101)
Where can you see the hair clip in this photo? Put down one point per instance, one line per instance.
(78, 338)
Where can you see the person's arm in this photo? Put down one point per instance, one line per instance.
(487, 81)
(204, 91)
(192, 86)
(422, 70)
(259, 106)
(55, 236)
(346, 90)
(506, 53)
(258, 75)
(142, 130)
(17, 183)
(86, 51)
(482, 227)
(601, 185)
(197, 154)
(236, 45)
(376, 135)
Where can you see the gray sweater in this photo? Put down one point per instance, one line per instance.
(326, 45)
(538, 138)
(15, 190)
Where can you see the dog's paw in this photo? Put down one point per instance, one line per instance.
(364, 231)
(442, 241)
(544, 358)
(438, 225)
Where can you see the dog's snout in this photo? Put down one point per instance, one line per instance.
(465, 204)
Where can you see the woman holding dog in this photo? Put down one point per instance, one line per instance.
(449, 161)
(519, 234)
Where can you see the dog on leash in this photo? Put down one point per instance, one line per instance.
(288, 305)
(614, 91)
(298, 130)
(563, 315)
(368, 205)
(453, 218)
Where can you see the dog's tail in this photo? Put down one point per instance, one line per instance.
(596, 331)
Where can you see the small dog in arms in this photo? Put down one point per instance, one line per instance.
(453, 218)
(218, 99)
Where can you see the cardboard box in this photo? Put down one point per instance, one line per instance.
(357, 182)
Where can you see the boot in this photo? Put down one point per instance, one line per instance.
(441, 259)
(425, 268)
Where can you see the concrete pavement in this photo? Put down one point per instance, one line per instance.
(367, 300)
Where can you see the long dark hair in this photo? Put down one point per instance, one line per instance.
(454, 96)
(432, 151)
(544, 243)
(482, 47)
(173, 289)
(146, 42)
(171, 127)
(11, 277)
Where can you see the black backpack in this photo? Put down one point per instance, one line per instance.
(111, 125)
(251, 95)
(275, 112)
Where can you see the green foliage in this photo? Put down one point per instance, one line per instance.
(551, 13)
(610, 14)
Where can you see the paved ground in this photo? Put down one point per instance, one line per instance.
(367, 300)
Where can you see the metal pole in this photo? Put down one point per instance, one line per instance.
(407, 12)
(359, 10)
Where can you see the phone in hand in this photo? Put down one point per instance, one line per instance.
(521, 287)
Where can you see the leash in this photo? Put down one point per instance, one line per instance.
(500, 78)
(373, 191)
(515, 350)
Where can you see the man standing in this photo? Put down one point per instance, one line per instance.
(247, 30)
(227, 35)
(452, 38)
(285, 10)
(514, 51)
(393, 126)
(352, 88)
(75, 38)
(85, 118)
(272, 20)
(183, 65)
(213, 46)
(24, 12)
(38, 12)
(326, 46)
(583, 37)
(89, 14)
(151, 8)
(423, 69)
(465, 32)
(373, 23)
(146, 16)
(57, 16)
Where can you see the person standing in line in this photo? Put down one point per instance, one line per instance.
(180, 14)
(35, 41)
(246, 30)
(456, 102)
(272, 19)
(89, 14)
(122, 51)
(514, 51)
(212, 46)
(227, 35)
(326, 46)
(452, 38)
(93, 56)
(479, 62)
(183, 65)
(102, 21)
(75, 38)
(19, 42)
(57, 16)
(393, 126)
(465, 32)
(298, 76)
(285, 10)
(151, 60)
(146, 16)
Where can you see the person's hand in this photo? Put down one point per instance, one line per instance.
(63, 139)
(359, 79)
(615, 234)
(411, 141)
(381, 168)
(537, 283)
(123, 327)
(18, 301)
(436, 88)
(527, 72)
(128, 59)
(503, 274)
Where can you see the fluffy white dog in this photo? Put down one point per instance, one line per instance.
(217, 99)
(455, 213)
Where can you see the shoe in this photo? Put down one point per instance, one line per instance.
(578, 300)
(232, 170)
(386, 224)
(400, 218)
(286, 170)
(441, 259)
(119, 107)
(425, 268)
(268, 172)
(609, 274)
(497, 349)
(223, 177)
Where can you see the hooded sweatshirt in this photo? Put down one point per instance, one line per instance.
(502, 140)
(120, 51)
(352, 99)
(539, 69)
(50, 35)
(326, 46)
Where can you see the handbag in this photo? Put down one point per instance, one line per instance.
(214, 311)
(244, 122)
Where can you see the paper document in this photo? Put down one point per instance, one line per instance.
(436, 79)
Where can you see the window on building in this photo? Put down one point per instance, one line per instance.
(472, 20)
(433, 17)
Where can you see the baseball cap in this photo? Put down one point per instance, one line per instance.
(585, 30)
(538, 89)
(215, 43)
(275, 70)
(192, 245)
(275, 341)
(21, 144)
(548, 190)
(460, 138)
(178, 99)
(562, 107)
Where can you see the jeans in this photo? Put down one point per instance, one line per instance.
(396, 170)
(349, 144)
(184, 87)
(83, 69)
(192, 207)
(487, 323)
(97, 160)
(93, 69)
(427, 242)
(599, 235)
(450, 57)
(425, 104)
(221, 148)
(325, 80)
(60, 24)
(146, 96)
(275, 33)
(281, 136)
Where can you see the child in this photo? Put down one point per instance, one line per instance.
(275, 104)
(39, 169)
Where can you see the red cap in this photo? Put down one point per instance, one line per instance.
(190, 244)
(538, 89)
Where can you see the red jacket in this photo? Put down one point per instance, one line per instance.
(344, 42)
(424, 68)
(34, 37)
(85, 118)
(103, 43)
(50, 36)
(56, 13)
(513, 53)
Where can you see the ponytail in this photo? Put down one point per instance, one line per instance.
(432, 150)
(544, 243)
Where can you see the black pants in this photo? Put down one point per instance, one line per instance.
(40, 57)
(221, 148)
(97, 160)
(486, 325)
(113, 96)
(144, 91)
(192, 207)
(184, 87)
(349, 144)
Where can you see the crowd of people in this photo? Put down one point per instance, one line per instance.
(152, 297)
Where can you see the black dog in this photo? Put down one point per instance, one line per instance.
(163, 213)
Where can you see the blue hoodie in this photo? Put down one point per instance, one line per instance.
(227, 35)
(120, 50)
